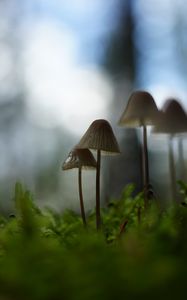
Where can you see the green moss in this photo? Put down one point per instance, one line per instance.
(45, 255)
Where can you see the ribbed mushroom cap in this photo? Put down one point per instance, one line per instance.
(173, 119)
(100, 136)
(79, 158)
(140, 110)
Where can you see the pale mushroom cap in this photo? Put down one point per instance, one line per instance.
(100, 136)
(140, 110)
(79, 158)
(173, 119)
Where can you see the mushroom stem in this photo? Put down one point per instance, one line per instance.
(172, 169)
(145, 166)
(181, 159)
(98, 216)
(81, 196)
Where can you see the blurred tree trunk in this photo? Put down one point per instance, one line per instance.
(120, 64)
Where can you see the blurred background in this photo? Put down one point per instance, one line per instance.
(64, 64)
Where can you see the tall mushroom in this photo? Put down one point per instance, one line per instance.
(141, 111)
(80, 158)
(100, 137)
(172, 121)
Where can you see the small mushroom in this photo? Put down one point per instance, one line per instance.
(141, 111)
(80, 158)
(100, 137)
(172, 121)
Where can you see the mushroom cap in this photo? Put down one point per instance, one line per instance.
(173, 118)
(79, 158)
(100, 136)
(141, 110)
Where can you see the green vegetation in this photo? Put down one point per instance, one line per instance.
(136, 254)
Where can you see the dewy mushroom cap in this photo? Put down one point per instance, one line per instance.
(100, 136)
(79, 158)
(140, 110)
(172, 120)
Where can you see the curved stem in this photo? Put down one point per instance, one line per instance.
(98, 216)
(172, 169)
(145, 166)
(81, 196)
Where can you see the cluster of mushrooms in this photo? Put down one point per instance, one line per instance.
(141, 111)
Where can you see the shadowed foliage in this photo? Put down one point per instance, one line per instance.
(46, 255)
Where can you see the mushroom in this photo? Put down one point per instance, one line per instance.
(100, 137)
(172, 121)
(80, 158)
(141, 111)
